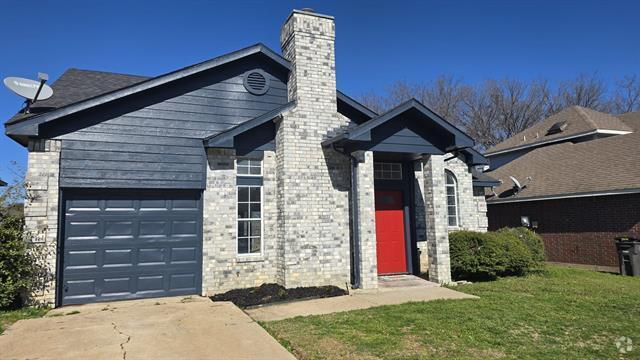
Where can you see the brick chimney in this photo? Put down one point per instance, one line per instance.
(313, 182)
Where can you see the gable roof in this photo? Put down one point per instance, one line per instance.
(2, 183)
(605, 165)
(579, 121)
(362, 132)
(77, 90)
(153, 82)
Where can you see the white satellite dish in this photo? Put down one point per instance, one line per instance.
(31, 90)
(516, 183)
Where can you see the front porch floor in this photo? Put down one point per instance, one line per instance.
(393, 290)
(403, 281)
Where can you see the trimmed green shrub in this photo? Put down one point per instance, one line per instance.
(486, 256)
(18, 269)
(530, 239)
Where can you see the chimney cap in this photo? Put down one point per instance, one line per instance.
(308, 11)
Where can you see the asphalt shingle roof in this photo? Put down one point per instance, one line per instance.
(578, 119)
(602, 165)
(75, 85)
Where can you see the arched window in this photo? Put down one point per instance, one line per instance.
(452, 198)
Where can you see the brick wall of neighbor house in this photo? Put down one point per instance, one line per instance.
(41, 207)
(223, 269)
(313, 182)
(472, 206)
(578, 230)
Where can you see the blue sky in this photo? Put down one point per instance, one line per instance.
(377, 42)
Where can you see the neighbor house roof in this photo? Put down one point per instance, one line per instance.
(576, 120)
(2, 183)
(602, 166)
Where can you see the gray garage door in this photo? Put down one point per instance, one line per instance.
(130, 244)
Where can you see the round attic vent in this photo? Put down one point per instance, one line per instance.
(256, 82)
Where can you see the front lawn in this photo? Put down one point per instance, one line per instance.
(564, 313)
(8, 317)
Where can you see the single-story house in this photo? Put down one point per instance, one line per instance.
(579, 184)
(245, 169)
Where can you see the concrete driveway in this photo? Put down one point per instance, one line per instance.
(167, 328)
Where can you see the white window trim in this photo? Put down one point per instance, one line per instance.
(455, 198)
(250, 255)
(249, 158)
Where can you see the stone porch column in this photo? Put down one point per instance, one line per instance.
(366, 226)
(435, 200)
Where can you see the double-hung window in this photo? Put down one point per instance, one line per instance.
(249, 204)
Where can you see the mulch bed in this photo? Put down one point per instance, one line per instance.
(273, 293)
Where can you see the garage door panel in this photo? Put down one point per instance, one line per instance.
(120, 257)
(183, 255)
(119, 228)
(151, 256)
(131, 244)
(182, 282)
(81, 259)
(83, 230)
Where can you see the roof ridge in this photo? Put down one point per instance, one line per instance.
(585, 116)
(108, 72)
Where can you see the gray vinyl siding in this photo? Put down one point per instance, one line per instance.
(154, 139)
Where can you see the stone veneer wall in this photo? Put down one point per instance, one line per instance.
(472, 206)
(368, 263)
(313, 182)
(41, 209)
(223, 269)
(436, 219)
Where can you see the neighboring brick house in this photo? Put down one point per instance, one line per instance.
(581, 183)
(245, 169)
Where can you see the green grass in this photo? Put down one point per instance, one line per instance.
(563, 313)
(8, 317)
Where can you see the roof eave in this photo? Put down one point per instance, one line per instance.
(153, 82)
(560, 139)
(565, 196)
(226, 139)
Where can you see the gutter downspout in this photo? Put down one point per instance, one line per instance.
(355, 240)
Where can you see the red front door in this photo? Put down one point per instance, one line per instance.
(390, 232)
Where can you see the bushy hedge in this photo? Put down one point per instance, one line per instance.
(18, 266)
(532, 240)
(486, 256)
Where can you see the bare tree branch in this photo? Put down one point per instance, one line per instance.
(497, 109)
(626, 97)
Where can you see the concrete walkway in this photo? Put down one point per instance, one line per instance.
(167, 328)
(392, 290)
